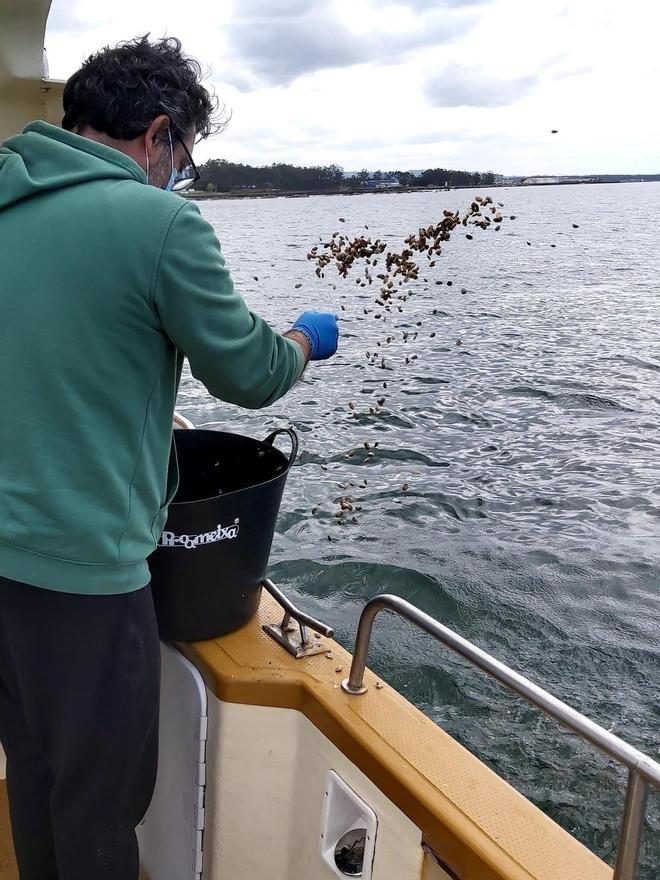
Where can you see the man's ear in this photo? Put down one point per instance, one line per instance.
(156, 135)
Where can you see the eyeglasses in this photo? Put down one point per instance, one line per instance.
(188, 175)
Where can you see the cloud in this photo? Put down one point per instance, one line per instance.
(277, 47)
(76, 16)
(457, 86)
(277, 52)
(576, 71)
(291, 8)
(358, 144)
(435, 4)
(434, 137)
(308, 135)
(424, 138)
(277, 8)
(63, 19)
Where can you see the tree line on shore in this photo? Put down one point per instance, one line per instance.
(219, 175)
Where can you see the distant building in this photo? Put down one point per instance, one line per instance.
(535, 181)
(382, 184)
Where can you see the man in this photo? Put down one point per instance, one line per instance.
(105, 284)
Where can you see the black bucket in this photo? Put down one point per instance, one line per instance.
(207, 570)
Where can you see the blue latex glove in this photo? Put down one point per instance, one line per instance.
(321, 331)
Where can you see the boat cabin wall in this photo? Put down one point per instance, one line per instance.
(22, 103)
(26, 93)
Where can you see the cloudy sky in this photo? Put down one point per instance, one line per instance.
(473, 84)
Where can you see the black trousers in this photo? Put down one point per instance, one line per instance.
(79, 690)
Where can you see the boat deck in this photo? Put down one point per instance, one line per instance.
(8, 869)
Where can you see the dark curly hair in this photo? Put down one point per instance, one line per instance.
(119, 91)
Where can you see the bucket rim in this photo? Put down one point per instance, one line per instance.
(288, 464)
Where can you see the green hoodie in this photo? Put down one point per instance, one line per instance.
(105, 284)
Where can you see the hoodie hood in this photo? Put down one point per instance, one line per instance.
(45, 157)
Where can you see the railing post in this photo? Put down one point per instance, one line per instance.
(632, 823)
(354, 684)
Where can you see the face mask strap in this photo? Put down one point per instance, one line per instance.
(169, 134)
(174, 176)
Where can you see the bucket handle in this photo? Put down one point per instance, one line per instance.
(294, 442)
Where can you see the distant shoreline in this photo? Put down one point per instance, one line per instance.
(197, 196)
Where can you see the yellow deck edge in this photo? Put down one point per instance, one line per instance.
(8, 868)
(481, 826)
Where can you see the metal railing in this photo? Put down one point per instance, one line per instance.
(642, 770)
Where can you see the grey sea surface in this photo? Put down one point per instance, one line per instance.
(531, 454)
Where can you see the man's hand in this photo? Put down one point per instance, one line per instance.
(320, 330)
